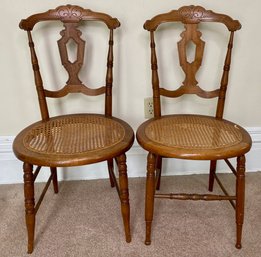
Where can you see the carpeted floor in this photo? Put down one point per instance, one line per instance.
(84, 220)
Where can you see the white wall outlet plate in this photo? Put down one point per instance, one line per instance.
(148, 108)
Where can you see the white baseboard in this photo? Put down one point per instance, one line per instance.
(11, 168)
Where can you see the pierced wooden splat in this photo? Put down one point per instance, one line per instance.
(190, 36)
(191, 50)
(71, 35)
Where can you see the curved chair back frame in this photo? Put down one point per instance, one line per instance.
(71, 16)
(190, 16)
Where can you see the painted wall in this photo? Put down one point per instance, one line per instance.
(132, 76)
(132, 72)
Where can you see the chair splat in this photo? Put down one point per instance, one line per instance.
(191, 34)
(70, 33)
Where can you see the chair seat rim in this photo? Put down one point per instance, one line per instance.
(67, 160)
(193, 154)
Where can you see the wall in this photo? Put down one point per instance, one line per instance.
(132, 72)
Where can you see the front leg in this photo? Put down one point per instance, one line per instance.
(149, 198)
(240, 194)
(124, 195)
(29, 204)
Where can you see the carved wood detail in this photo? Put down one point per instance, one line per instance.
(71, 33)
(191, 34)
(69, 13)
(194, 14)
(191, 15)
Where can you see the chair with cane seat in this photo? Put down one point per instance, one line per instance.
(72, 139)
(192, 136)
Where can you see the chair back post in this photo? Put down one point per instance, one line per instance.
(38, 79)
(155, 77)
(224, 79)
(109, 77)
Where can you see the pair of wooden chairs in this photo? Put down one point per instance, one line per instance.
(79, 139)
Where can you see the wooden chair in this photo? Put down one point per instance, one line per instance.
(192, 136)
(72, 139)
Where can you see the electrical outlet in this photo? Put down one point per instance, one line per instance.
(148, 108)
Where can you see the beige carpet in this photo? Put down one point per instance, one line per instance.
(84, 220)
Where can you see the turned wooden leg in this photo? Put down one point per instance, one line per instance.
(240, 194)
(110, 169)
(158, 167)
(55, 181)
(124, 195)
(29, 204)
(149, 198)
(212, 171)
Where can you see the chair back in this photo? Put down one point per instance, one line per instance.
(191, 17)
(71, 16)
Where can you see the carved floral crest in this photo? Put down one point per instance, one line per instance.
(192, 12)
(70, 11)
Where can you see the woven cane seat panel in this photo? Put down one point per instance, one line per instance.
(193, 132)
(74, 135)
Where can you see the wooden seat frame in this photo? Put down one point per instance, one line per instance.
(121, 141)
(191, 16)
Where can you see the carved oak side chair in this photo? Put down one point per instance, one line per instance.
(192, 136)
(72, 139)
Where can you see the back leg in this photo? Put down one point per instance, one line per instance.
(158, 169)
(55, 181)
(111, 172)
(212, 171)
